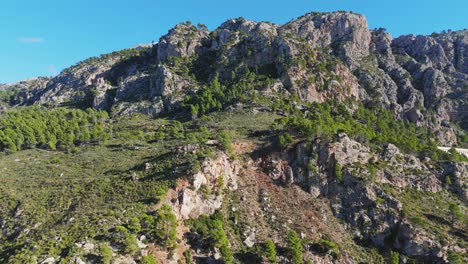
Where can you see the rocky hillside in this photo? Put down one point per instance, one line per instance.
(309, 142)
(318, 56)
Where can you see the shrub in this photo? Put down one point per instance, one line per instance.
(188, 256)
(311, 167)
(326, 245)
(130, 244)
(455, 212)
(448, 180)
(285, 140)
(394, 258)
(419, 221)
(106, 254)
(212, 229)
(134, 225)
(120, 232)
(454, 258)
(149, 259)
(338, 173)
(225, 141)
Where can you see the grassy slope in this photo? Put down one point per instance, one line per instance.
(73, 196)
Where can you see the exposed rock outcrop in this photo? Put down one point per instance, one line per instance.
(374, 214)
(203, 195)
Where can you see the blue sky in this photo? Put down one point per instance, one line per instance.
(40, 38)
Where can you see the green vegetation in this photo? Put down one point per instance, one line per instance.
(394, 258)
(329, 247)
(431, 211)
(217, 96)
(212, 230)
(311, 167)
(338, 173)
(85, 194)
(106, 254)
(74, 181)
(375, 126)
(188, 256)
(225, 141)
(454, 258)
(295, 247)
(455, 213)
(130, 244)
(270, 251)
(457, 157)
(9, 94)
(51, 129)
(285, 140)
(149, 259)
(166, 224)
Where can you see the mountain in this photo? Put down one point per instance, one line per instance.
(311, 141)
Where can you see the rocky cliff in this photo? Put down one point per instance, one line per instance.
(318, 56)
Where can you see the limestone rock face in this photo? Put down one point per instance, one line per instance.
(181, 41)
(347, 32)
(204, 195)
(26, 91)
(372, 212)
(458, 174)
(347, 151)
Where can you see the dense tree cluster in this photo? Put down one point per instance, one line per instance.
(50, 128)
(377, 126)
(217, 96)
(212, 230)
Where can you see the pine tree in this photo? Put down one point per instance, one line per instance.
(295, 247)
(166, 224)
(270, 251)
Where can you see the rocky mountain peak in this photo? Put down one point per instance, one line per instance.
(348, 33)
(180, 41)
(317, 57)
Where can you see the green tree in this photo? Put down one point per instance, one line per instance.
(225, 141)
(165, 227)
(394, 258)
(270, 251)
(134, 225)
(130, 244)
(295, 247)
(454, 258)
(455, 213)
(120, 232)
(188, 256)
(285, 140)
(338, 173)
(149, 259)
(222, 242)
(106, 254)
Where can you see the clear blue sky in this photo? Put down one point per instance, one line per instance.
(42, 37)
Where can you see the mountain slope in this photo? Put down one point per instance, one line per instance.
(313, 141)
